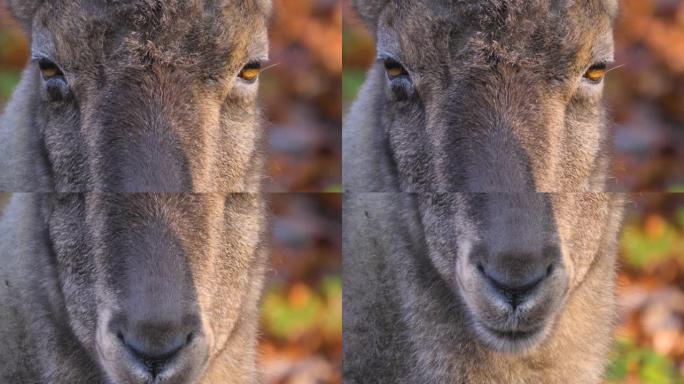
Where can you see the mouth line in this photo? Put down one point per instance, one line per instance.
(512, 335)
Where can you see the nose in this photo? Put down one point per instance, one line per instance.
(515, 288)
(155, 344)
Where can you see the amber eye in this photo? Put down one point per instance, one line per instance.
(394, 69)
(250, 72)
(596, 73)
(49, 70)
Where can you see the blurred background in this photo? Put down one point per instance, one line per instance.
(646, 99)
(649, 347)
(302, 308)
(646, 96)
(300, 94)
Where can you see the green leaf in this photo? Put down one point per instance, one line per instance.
(8, 81)
(677, 188)
(351, 82)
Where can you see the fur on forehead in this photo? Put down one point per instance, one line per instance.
(486, 12)
(25, 10)
(185, 34)
(163, 10)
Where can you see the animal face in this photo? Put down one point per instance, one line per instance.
(493, 95)
(514, 259)
(156, 286)
(145, 96)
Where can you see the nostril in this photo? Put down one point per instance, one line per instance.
(549, 270)
(514, 292)
(155, 352)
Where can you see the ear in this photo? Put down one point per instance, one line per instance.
(24, 10)
(370, 10)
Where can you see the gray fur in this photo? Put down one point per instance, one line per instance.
(498, 101)
(153, 103)
(415, 304)
(448, 287)
(74, 268)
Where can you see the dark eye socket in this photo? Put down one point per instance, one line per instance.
(400, 82)
(394, 69)
(53, 79)
(49, 70)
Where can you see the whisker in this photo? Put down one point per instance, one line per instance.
(270, 66)
(616, 67)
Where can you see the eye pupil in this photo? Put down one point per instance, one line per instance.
(596, 72)
(250, 72)
(394, 69)
(49, 69)
(394, 72)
